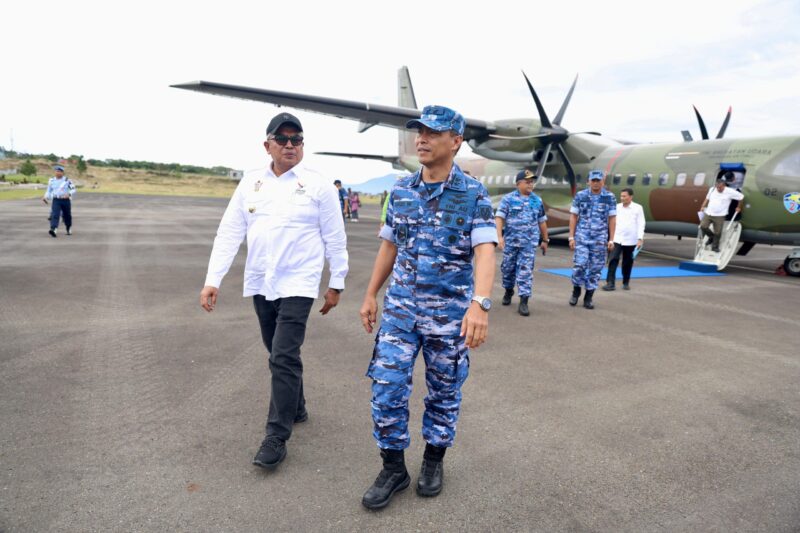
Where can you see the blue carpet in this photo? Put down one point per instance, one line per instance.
(642, 272)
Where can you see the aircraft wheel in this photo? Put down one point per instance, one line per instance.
(792, 266)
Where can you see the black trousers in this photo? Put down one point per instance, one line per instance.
(283, 329)
(627, 263)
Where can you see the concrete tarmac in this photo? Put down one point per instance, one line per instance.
(124, 407)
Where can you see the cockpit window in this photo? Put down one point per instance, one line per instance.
(789, 165)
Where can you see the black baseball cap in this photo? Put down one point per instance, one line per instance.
(525, 174)
(280, 119)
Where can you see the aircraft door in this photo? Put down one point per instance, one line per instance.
(734, 174)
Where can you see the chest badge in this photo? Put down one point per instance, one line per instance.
(251, 209)
(257, 187)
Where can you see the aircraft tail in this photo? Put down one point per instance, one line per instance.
(405, 98)
(406, 158)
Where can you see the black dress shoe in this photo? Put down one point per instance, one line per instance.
(301, 417)
(626, 287)
(430, 479)
(609, 287)
(69, 231)
(271, 453)
(52, 233)
(386, 484)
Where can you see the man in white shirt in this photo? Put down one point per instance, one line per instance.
(628, 236)
(291, 218)
(716, 205)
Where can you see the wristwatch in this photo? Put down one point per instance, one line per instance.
(545, 240)
(483, 301)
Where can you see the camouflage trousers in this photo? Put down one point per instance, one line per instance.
(391, 369)
(590, 258)
(517, 268)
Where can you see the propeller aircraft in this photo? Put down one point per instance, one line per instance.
(670, 180)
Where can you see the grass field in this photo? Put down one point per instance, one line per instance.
(131, 181)
(123, 181)
(20, 194)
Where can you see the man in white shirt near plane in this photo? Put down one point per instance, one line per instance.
(292, 220)
(716, 205)
(628, 236)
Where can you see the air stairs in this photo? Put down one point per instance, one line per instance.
(706, 260)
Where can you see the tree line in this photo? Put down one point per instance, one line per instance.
(80, 163)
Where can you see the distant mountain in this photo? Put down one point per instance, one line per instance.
(375, 185)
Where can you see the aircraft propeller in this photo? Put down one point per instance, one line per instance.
(552, 134)
(704, 131)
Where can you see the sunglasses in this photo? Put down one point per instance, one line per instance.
(296, 140)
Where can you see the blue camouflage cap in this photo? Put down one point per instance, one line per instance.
(439, 118)
(595, 175)
(58, 167)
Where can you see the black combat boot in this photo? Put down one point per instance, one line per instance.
(507, 296)
(431, 474)
(576, 293)
(393, 478)
(587, 299)
(523, 306)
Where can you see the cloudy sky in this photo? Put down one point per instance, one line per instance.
(93, 78)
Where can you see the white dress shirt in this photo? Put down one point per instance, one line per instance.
(719, 202)
(292, 223)
(630, 224)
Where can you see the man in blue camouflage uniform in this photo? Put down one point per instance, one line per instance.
(591, 224)
(521, 214)
(437, 220)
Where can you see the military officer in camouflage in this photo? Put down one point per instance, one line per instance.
(521, 214)
(438, 221)
(591, 224)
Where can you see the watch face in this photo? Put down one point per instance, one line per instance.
(486, 304)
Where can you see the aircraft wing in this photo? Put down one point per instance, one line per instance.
(367, 114)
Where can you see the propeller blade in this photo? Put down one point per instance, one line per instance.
(570, 171)
(725, 124)
(542, 115)
(563, 109)
(508, 138)
(543, 160)
(703, 130)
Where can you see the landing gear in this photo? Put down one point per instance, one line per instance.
(791, 265)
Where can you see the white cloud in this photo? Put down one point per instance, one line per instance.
(93, 78)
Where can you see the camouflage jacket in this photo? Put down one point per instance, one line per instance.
(593, 211)
(432, 281)
(522, 218)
